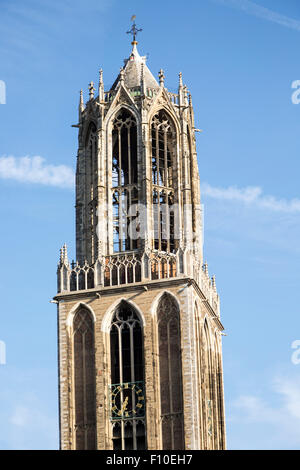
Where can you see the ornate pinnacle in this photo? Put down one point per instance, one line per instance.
(91, 90)
(185, 95)
(142, 79)
(65, 254)
(180, 80)
(101, 86)
(81, 103)
(180, 90)
(122, 74)
(161, 77)
(205, 268)
(100, 77)
(63, 259)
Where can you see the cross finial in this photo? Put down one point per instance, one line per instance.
(134, 30)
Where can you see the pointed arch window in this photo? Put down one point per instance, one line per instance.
(84, 381)
(163, 137)
(127, 396)
(163, 144)
(124, 181)
(171, 394)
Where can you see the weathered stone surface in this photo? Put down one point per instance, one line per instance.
(100, 279)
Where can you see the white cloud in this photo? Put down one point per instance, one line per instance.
(35, 170)
(252, 195)
(21, 416)
(254, 409)
(274, 422)
(28, 408)
(254, 9)
(290, 391)
(30, 426)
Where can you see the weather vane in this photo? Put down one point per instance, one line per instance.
(134, 30)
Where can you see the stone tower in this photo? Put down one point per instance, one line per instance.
(139, 330)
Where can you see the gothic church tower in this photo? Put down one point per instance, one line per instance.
(139, 330)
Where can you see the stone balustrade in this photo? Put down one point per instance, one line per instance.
(130, 268)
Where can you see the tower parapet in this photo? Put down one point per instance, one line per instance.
(131, 268)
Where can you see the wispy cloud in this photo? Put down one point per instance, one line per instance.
(21, 416)
(252, 195)
(254, 9)
(29, 410)
(39, 27)
(36, 170)
(290, 391)
(28, 419)
(275, 421)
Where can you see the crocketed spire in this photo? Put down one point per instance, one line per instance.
(133, 70)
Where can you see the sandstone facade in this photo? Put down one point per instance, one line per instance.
(138, 302)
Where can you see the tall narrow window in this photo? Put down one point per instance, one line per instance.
(90, 175)
(124, 181)
(127, 396)
(219, 395)
(171, 396)
(163, 138)
(207, 389)
(199, 370)
(84, 378)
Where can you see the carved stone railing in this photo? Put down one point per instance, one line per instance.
(123, 268)
(127, 268)
(163, 265)
(116, 270)
(174, 98)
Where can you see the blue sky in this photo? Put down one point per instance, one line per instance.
(238, 59)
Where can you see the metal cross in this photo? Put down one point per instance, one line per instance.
(134, 30)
